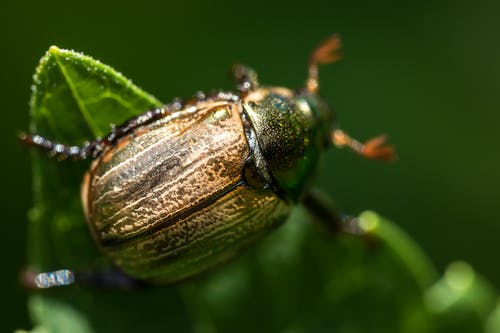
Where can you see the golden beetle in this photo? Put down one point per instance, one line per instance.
(181, 188)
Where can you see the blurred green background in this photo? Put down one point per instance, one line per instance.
(427, 73)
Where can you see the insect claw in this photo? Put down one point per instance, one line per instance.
(374, 148)
(328, 51)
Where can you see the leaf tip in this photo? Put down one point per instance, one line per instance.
(369, 221)
(54, 49)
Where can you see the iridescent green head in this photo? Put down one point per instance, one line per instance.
(291, 129)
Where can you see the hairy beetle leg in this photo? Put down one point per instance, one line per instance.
(94, 148)
(327, 52)
(110, 278)
(59, 150)
(374, 148)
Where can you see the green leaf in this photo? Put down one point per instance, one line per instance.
(461, 300)
(493, 322)
(74, 99)
(297, 279)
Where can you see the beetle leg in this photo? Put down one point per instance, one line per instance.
(224, 96)
(93, 148)
(374, 148)
(246, 78)
(59, 150)
(110, 278)
(327, 52)
(325, 214)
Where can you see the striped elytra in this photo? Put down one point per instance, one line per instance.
(171, 200)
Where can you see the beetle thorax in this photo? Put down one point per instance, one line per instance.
(289, 135)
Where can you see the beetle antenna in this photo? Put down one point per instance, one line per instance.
(375, 148)
(327, 52)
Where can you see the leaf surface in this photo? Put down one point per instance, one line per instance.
(297, 279)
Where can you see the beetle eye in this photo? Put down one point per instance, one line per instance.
(251, 175)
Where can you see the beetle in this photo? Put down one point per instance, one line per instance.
(184, 187)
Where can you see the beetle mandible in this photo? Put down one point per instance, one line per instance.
(181, 188)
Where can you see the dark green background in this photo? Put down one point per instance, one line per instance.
(427, 73)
